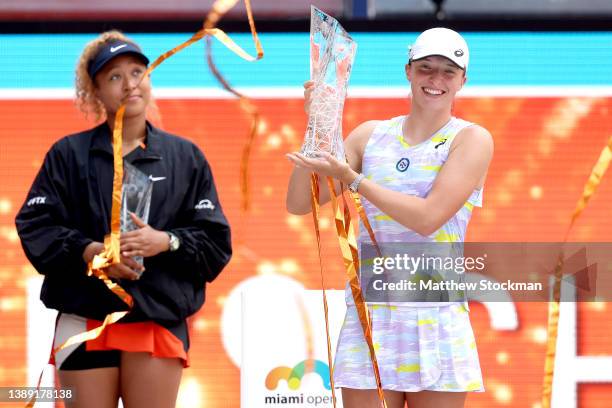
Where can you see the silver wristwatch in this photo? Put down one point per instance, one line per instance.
(175, 243)
(354, 186)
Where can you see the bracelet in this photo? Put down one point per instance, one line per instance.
(354, 186)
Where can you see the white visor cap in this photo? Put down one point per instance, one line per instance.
(443, 42)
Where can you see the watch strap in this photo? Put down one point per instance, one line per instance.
(354, 186)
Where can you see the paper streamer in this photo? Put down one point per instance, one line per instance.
(350, 255)
(314, 200)
(553, 307)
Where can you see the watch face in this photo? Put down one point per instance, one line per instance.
(174, 242)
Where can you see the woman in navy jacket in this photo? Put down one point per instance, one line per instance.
(65, 218)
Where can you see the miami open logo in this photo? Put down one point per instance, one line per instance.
(294, 375)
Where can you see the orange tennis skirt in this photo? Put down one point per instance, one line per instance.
(148, 337)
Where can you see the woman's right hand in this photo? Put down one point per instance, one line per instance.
(91, 250)
(126, 269)
(308, 89)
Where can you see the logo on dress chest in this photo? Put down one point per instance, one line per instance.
(402, 164)
(441, 143)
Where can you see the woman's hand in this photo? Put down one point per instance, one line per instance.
(146, 241)
(308, 89)
(91, 250)
(324, 165)
(326, 94)
(127, 269)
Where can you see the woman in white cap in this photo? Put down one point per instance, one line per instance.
(65, 218)
(420, 175)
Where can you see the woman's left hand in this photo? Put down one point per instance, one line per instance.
(146, 241)
(324, 165)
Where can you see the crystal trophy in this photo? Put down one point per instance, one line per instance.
(136, 198)
(332, 52)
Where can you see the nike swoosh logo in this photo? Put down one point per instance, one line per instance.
(156, 178)
(117, 48)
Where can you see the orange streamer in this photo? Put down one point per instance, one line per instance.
(111, 254)
(554, 307)
(365, 221)
(350, 254)
(314, 201)
(245, 104)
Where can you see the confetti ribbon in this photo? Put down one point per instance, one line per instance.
(111, 253)
(554, 307)
(314, 201)
(365, 221)
(350, 254)
(247, 106)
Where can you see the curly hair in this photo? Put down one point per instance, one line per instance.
(86, 99)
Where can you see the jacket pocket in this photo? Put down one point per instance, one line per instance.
(161, 297)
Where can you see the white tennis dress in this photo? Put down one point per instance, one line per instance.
(419, 346)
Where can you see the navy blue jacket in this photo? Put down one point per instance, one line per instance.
(69, 206)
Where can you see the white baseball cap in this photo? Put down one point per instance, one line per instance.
(443, 42)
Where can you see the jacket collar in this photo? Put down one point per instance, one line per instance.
(101, 141)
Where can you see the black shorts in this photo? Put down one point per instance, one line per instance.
(78, 357)
(81, 359)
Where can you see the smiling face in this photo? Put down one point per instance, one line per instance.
(434, 81)
(119, 80)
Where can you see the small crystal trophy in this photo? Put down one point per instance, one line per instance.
(332, 52)
(136, 198)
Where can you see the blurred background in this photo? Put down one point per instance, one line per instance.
(540, 80)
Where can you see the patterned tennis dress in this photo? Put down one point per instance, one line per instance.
(419, 345)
